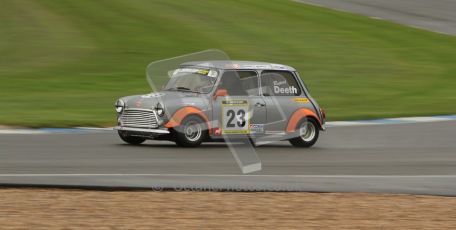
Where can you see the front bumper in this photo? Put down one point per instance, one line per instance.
(152, 131)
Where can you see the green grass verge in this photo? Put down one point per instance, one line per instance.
(64, 63)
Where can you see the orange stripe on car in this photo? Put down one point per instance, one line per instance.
(182, 113)
(298, 115)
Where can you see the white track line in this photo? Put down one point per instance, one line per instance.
(21, 131)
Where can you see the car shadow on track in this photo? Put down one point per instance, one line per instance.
(209, 146)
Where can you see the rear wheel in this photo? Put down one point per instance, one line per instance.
(308, 130)
(191, 132)
(130, 139)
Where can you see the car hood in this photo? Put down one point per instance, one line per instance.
(170, 100)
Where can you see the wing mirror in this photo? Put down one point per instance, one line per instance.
(220, 93)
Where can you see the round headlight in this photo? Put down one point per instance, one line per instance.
(120, 105)
(160, 112)
(159, 109)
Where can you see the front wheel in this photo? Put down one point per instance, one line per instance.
(308, 131)
(191, 132)
(130, 139)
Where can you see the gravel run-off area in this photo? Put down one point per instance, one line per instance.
(38, 208)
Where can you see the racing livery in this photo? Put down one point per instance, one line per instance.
(210, 100)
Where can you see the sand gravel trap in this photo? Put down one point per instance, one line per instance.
(79, 209)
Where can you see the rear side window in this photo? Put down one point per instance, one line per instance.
(240, 83)
(279, 83)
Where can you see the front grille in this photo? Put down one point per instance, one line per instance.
(139, 118)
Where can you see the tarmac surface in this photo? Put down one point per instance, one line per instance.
(416, 158)
(434, 15)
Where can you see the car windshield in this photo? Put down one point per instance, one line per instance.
(192, 80)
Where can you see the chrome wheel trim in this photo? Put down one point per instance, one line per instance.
(193, 131)
(307, 131)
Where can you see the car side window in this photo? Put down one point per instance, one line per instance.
(239, 83)
(279, 83)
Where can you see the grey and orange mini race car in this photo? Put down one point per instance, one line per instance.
(212, 100)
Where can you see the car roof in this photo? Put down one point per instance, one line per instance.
(238, 65)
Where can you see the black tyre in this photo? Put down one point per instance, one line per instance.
(192, 132)
(308, 130)
(130, 139)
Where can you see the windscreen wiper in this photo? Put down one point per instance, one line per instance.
(180, 88)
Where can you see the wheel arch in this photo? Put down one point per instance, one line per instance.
(184, 112)
(300, 114)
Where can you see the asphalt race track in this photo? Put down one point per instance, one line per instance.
(417, 158)
(434, 15)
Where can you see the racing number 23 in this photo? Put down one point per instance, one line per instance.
(235, 118)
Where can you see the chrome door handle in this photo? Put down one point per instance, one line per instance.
(258, 104)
